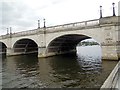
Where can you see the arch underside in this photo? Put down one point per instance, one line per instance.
(25, 46)
(65, 44)
(3, 48)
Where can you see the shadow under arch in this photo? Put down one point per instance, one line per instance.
(3, 49)
(65, 44)
(25, 46)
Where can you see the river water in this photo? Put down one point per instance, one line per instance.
(83, 70)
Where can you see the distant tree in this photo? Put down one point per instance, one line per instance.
(88, 43)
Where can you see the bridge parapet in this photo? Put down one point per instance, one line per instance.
(76, 24)
(109, 20)
(83, 24)
(105, 20)
(29, 32)
(52, 28)
(23, 33)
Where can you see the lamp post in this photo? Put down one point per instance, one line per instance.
(7, 31)
(113, 9)
(100, 11)
(10, 30)
(38, 23)
(44, 32)
(44, 23)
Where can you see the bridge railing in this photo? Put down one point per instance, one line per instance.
(77, 24)
(23, 33)
(105, 20)
(58, 27)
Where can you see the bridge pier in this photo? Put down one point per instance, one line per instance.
(110, 53)
(43, 52)
(9, 52)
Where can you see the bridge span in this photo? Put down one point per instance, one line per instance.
(61, 39)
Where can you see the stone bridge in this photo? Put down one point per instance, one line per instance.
(61, 39)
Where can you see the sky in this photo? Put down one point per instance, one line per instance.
(23, 15)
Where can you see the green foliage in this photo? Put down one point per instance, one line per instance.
(87, 43)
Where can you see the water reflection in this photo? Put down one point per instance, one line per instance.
(80, 70)
(90, 61)
(28, 66)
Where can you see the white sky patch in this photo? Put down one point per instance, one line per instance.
(89, 40)
(22, 15)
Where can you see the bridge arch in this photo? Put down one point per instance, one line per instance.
(3, 48)
(25, 46)
(65, 43)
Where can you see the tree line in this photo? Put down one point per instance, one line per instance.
(87, 43)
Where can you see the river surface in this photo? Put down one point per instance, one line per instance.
(83, 70)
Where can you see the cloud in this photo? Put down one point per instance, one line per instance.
(10, 13)
(16, 15)
(23, 14)
(119, 8)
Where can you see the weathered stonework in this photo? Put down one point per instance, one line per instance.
(104, 30)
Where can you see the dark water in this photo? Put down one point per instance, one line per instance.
(83, 70)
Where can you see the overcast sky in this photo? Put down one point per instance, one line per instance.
(22, 15)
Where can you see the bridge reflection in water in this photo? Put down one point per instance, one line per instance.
(82, 70)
